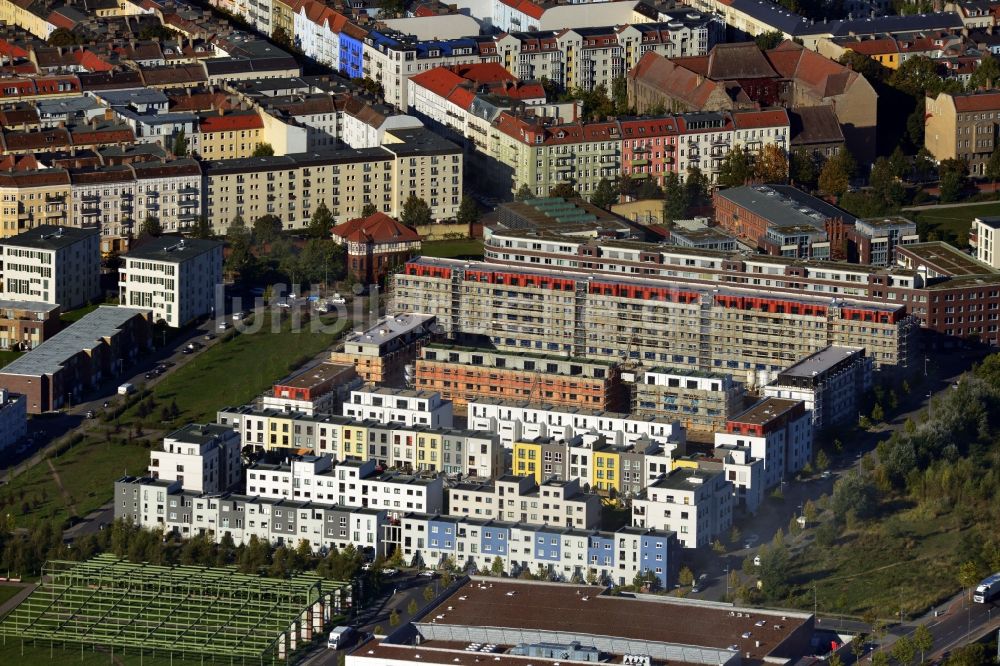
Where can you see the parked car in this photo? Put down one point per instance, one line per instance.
(126, 389)
(210, 336)
(91, 414)
(223, 325)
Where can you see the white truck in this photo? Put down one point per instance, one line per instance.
(987, 590)
(340, 638)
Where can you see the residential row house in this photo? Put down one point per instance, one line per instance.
(555, 552)
(521, 499)
(695, 504)
(417, 448)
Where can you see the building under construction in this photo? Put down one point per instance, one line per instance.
(677, 323)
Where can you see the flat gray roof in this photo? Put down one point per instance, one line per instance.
(783, 205)
(173, 249)
(991, 222)
(33, 306)
(195, 433)
(48, 358)
(50, 237)
(821, 361)
(390, 327)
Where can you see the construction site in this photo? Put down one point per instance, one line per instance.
(157, 613)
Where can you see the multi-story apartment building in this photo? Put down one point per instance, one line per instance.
(25, 324)
(985, 240)
(13, 418)
(775, 430)
(202, 458)
(743, 471)
(564, 553)
(50, 264)
(963, 127)
(543, 152)
(381, 353)
(586, 57)
(388, 405)
(698, 400)
(520, 499)
(516, 420)
(450, 451)
(464, 374)
(873, 241)
(317, 389)
(695, 504)
(174, 277)
(158, 504)
(741, 76)
(680, 321)
(323, 480)
(589, 459)
(227, 137)
(32, 198)
(391, 58)
(831, 384)
(412, 161)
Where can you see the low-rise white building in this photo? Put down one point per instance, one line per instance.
(516, 421)
(175, 277)
(521, 499)
(203, 458)
(50, 264)
(696, 504)
(830, 383)
(777, 431)
(389, 405)
(13, 418)
(984, 236)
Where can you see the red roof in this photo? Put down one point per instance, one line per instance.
(92, 62)
(987, 101)
(230, 122)
(12, 50)
(376, 228)
(756, 119)
(526, 7)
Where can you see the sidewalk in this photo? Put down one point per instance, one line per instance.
(13, 602)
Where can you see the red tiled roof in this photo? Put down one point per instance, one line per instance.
(526, 7)
(60, 20)
(376, 228)
(756, 119)
(102, 136)
(12, 50)
(92, 62)
(985, 101)
(231, 122)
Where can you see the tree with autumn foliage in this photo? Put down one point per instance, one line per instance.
(771, 164)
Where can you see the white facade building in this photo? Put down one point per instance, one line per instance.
(203, 458)
(13, 418)
(777, 431)
(696, 504)
(985, 238)
(49, 264)
(520, 499)
(322, 480)
(175, 277)
(388, 405)
(516, 421)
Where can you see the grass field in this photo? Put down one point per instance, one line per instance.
(230, 373)
(9, 592)
(465, 248)
(951, 224)
(238, 369)
(873, 567)
(39, 652)
(6, 356)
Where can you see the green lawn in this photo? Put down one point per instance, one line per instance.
(238, 369)
(6, 356)
(465, 248)
(39, 652)
(873, 567)
(230, 373)
(75, 315)
(951, 224)
(9, 592)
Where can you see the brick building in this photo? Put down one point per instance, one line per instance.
(463, 374)
(375, 245)
(98, 346)
(25, 324)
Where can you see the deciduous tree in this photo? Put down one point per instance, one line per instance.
(604, 194)
(468, 211)
(735, 169)
(416, 212)
(321, 222)
(771, 164)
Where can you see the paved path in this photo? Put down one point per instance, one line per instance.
(12, 603)
(964, 204)
(59, 484)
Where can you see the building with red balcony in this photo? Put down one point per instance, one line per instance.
(775, 430)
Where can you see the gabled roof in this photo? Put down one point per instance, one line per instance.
(243, 120)
(814, 125)
(981, 101)
(743, 60)
(376, 228)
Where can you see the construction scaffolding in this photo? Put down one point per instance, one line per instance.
(181, 610)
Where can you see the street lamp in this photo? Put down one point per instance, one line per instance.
(925, 364)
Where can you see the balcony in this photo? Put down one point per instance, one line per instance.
(188, 189)
(91, 211)
(640, 162)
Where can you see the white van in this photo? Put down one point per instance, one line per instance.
(126, 389)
